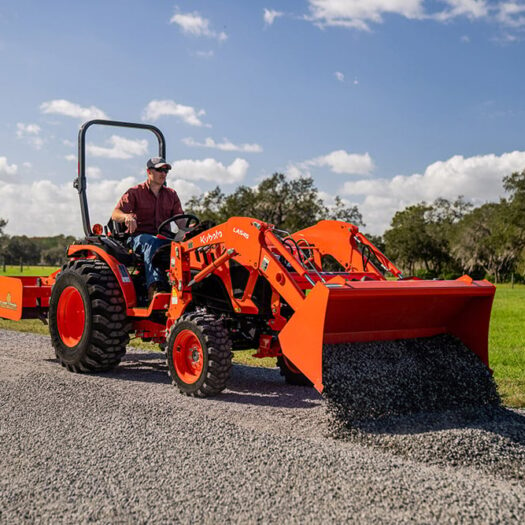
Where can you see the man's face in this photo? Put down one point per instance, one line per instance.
(158, 176)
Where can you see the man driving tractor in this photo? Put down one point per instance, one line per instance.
(142, 209)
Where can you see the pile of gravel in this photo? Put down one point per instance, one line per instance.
(427, 400)
(379, 380)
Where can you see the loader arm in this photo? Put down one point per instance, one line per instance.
(345, 244)
(249, 242)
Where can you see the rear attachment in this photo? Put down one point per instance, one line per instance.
(25, 297)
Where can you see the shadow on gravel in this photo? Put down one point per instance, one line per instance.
(495, 420)
(143, 367)
(247, 385)
(491, 439)
(251, 385)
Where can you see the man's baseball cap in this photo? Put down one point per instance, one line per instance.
(157, 162)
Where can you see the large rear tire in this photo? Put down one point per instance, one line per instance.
(87, 317)
(199, 354)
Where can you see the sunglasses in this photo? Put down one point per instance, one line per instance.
(164, 170)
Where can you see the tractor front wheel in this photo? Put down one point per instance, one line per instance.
(291, 374)
(199, 354)
(87, 317)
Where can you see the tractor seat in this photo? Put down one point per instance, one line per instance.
(117, 230)
(115, 243)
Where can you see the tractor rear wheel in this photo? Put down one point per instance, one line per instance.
(291, 374)
(87, 317)
(199, 354)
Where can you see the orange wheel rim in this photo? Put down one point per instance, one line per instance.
(188, 356)
(71, 316)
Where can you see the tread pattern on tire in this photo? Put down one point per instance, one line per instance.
(109, 326)
(218, 346)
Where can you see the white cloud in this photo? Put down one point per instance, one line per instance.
(7, 169)
(205, 54)
(93, 173)
(340, 76)
(211, 170)
(159, 108)
(52, 209)
(71, 157)
(30, 133)
(270, 15)
(295, 171)
(70, 109)
(342, 162)
(121, 148)
(511, 14)
(225, 145)
(23, 130)
(185, 189)
(194, 24)
(469, 8)
(478, 179)
(358, 13)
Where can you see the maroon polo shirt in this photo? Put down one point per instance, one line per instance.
(150, 211)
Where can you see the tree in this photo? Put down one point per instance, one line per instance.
(3, 224)
(208, 207)
(491, 239)
(20, 247)
(289, 204)
(408, 242)
(340, 212)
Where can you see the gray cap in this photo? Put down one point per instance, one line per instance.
(157, 162)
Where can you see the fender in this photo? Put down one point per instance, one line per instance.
(119, 270)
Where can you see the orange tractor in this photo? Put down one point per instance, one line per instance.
(238, 285)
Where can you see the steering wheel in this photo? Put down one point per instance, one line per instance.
(191, 222)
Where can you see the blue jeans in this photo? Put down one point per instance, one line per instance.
(146, 245)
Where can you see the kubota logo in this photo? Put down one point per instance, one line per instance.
(7, 304)
(210, 237)
(241, 233)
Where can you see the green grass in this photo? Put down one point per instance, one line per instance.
(42, 271)
(507, 343)
(506, 340)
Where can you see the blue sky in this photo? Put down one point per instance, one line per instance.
(383, 102)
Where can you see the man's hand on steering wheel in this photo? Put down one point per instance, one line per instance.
(189, 222)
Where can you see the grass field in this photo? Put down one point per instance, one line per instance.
(506, 340)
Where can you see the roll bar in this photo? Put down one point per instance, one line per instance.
(80, 182)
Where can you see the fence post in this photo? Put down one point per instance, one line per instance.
(4, 265)
(512, 280)
(21, 265)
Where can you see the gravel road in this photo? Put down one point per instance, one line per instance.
(127, 447)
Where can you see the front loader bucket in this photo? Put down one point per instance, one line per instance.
(386, 310)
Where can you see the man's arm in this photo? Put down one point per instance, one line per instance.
(123, 212)
(127, 218)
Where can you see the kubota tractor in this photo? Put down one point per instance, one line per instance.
(238, 285)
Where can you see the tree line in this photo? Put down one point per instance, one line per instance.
(442, 239)
(49, 251)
